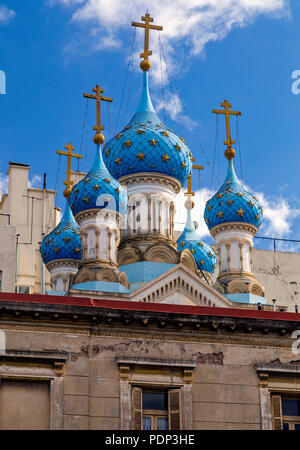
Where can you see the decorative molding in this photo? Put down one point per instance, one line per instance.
(233, 226)
(148, 177)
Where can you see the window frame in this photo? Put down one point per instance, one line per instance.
(140, 373)
(37, 368)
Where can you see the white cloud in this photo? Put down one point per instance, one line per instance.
(6, 15)
(174, 108)
(278, 216)
(3, 183)
(35, 182)
(192, 23)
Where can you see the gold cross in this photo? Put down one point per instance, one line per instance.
(69, 155)
(229, 153)
(99, 138)
(145, 64)
(197, 167)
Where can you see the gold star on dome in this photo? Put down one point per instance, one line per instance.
(257, 217)
(140, 131)
(119, 136)
(76, 250)
(262, 211)
(182, 244)
(87, 180)
(220, 214)
(141, 156)
(207, 221)
(72, 206)
(164, 133)
(127, 127)
(143, 124)
(170, 130)
(117, 190)
(209, 207)
(210, 254)
(96, 187)
(239, 194)
(201, 262)
(107, 180)
(229, 202)
(251, 203)
(182, 140)
(66, 239)
(183, 165)
(86, 199)
(192, 251)
(165, 157)
(118, 160)
(153, 142)
(47, 243)
(107, 151)
(158, 125)
(76, 191)
(240, 212)
(56, 250)
(177, 146)
(220, 195)
(200, 244)
(127, 143)
(214, 266)
(255, 198)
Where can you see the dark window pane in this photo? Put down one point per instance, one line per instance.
(162, 423)
(155, 400)
(297, 426)
(290, 407)
(146, 423)
(285, 426)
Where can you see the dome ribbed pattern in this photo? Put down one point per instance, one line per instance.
(64, 241)
(232, 203)
(98, 190)
(147, 145)
(203, 254)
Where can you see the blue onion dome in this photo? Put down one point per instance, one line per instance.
(203, 254)
(64, 241)
(147, 145)
(232, 203)
(98, 190)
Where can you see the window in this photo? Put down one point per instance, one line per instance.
(286, 412)
(155, 409)
(22, 289)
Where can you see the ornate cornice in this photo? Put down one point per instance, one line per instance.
(62, 263)
(91, 213)
(233, 226)
(148, 177)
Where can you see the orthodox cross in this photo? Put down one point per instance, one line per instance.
(145, 64)
(196, 167)
(227, 113)
(99, 138)
(69, 147)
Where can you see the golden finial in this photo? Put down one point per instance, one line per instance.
(229, 152)
(145, 64)
(196, 167)
(98, 138)
(69, 147)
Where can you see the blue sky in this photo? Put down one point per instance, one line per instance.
(246, 51)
